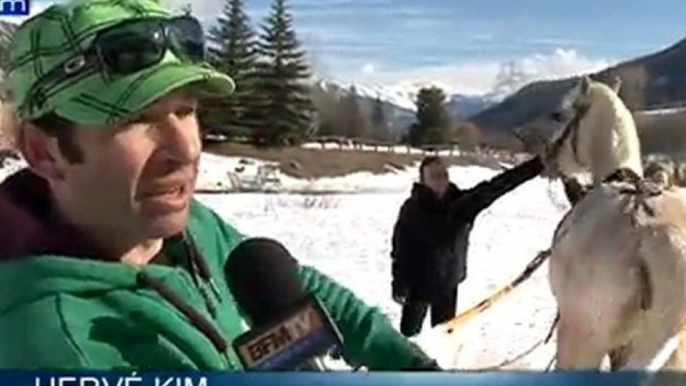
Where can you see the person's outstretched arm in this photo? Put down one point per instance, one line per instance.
(481, 196)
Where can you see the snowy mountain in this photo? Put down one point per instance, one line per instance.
(399, 104)
(398, 108)
(463, 107)
(397, 96)
(511, 77)
(653, 81)
(459, 106)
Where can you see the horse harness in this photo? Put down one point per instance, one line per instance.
(639, 187)
(571, 130)
(576, 191)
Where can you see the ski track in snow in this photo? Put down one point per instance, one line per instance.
(347, 236)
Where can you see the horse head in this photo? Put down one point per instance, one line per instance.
(597, 134)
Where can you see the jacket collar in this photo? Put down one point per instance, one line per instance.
(427, 199)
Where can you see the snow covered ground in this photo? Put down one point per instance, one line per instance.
(663, 111)
(348, 237)
(215, 171)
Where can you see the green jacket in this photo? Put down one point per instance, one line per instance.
(61, 312)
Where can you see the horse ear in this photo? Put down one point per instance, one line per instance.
(616, 84)
(585, 84)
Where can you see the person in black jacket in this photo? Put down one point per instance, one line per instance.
(431, 237)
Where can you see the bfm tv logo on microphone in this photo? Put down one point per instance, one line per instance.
(15, 7)
(292, 338)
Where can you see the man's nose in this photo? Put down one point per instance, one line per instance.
(182, 138)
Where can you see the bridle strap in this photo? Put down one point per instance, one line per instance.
(571, 130)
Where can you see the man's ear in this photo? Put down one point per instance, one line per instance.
(40, 151)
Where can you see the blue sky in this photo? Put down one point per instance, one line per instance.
(462, 44)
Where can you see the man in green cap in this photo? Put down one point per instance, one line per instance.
(106, 260)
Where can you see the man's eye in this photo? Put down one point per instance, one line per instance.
(142, 119)
(132, 122)
(185, 111)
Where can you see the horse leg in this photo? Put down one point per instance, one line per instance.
(576, 350)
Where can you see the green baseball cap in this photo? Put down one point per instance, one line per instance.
(57, 37)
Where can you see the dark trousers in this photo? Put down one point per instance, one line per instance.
(442, 307)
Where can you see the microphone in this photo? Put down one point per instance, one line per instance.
(290, 329)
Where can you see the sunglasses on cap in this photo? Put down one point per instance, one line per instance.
(126, 49)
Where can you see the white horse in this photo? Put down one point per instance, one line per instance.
(618, 259)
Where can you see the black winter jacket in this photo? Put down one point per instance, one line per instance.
(431, 235)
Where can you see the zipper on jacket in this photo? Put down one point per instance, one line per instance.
(201, 279)
(200, 272)
(188, 281)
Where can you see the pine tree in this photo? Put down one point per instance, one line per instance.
(327, 106)
(433, 124)
(284, 106)
(379, 121)
(468, 136)
(352, 120)
(234, 53)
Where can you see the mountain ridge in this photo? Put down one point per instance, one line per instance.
(651, 81)
(399, 104)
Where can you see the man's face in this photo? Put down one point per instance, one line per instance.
(138, 178)
(436, 177)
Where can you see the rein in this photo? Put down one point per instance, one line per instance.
(570, 130)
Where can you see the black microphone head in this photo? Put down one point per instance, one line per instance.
(263, 278)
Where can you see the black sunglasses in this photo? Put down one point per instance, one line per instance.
(125, 49)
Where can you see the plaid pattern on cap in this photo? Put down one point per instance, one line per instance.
(64, 31)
